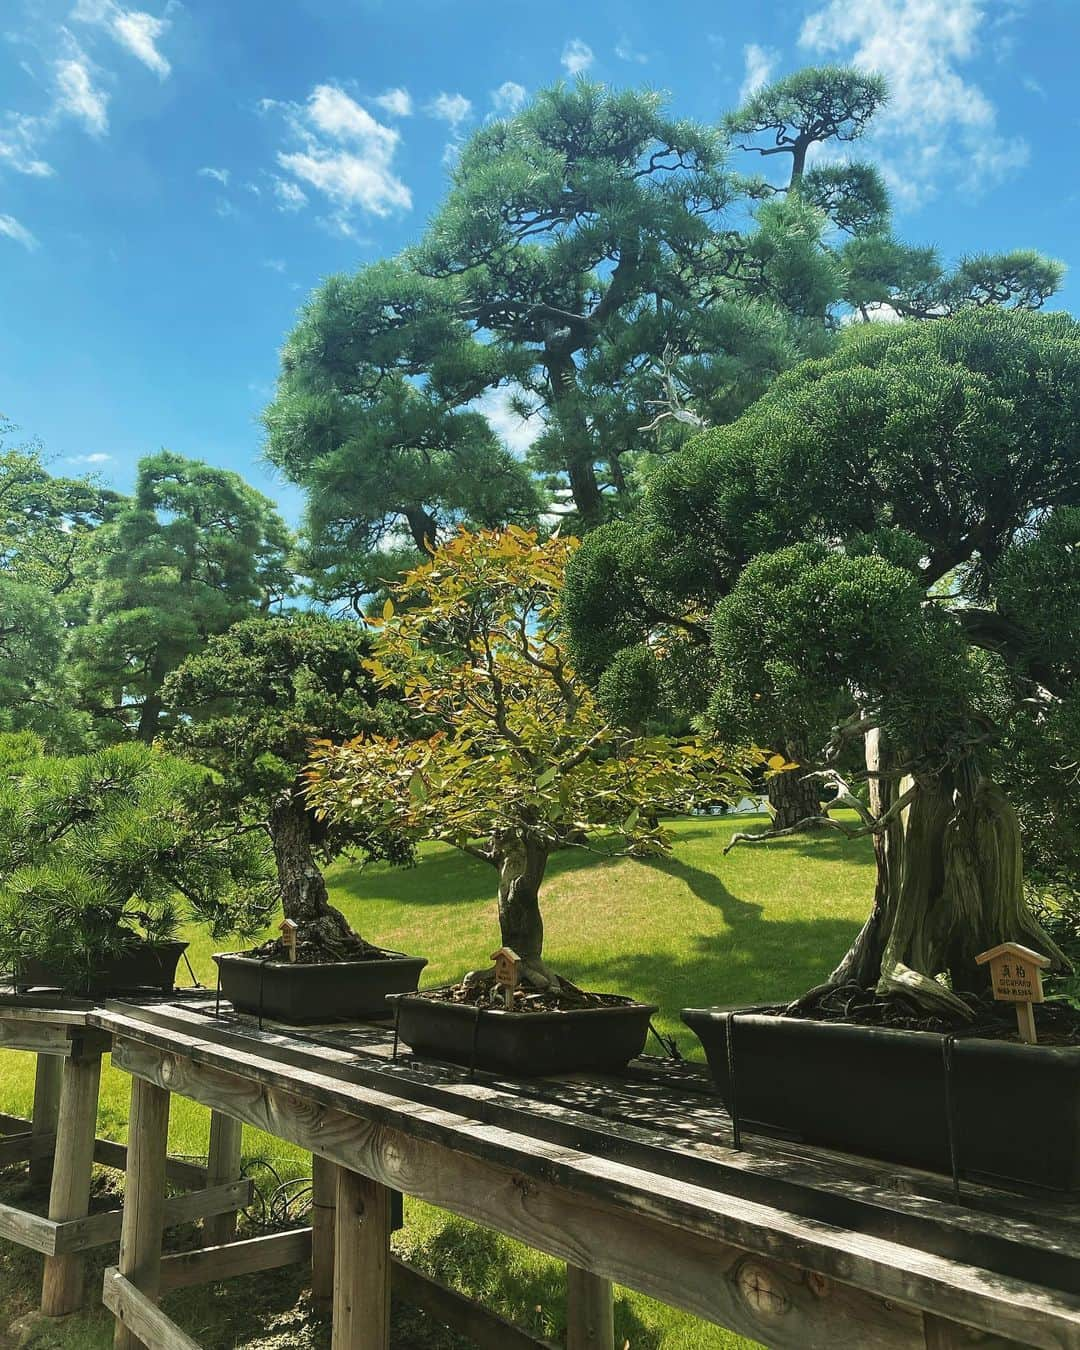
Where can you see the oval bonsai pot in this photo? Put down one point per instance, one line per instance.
(601, 1039)
(882, 1093)
(144, 965)
(317, 991)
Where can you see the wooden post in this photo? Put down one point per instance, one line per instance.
(69, 1195)
(223, 1165)
(323, 1207)
(590, 1311)
(361, 1264)
(144, 1196)
(47, 1080)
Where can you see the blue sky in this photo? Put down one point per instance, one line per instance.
(174, 179)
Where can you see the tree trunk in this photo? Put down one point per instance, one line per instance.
(522, 863)
(950, 885)
(578, 448)
(792, 796)
(149, 716)
(422, 527)
(304, 897)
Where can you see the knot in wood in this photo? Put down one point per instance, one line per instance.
(524, 1185)
(761, 1290)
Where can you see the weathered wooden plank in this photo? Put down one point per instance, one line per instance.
(479, 1325)
(210, 1264)
(28, 1230)
(361, 1264)
(48, 1076)
(98, 1230)
(590, 1311)
(144, 1201)
(223, 1165)
(139, 1318)
(323, 1204)
(69, 1193)
(681, 1244)
(14, 1124)
(26, 1147)
(108, 1153)
(42, 1038)
(941, 1335)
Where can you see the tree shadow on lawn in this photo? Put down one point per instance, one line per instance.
(754, 959)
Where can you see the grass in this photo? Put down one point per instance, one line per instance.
(760, 925)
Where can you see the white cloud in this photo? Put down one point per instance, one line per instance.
(134, 29)
(509, 98)
(98, 457)
(577, 56)
(289, 196)
(760, 63)
(517, 433)
(224, 208)
(395, 102)
(452, 108)
(221, 175)
(624, 50)
(274, 264)
(77, 95)
(12, 229)
(19, 137)
(344, 153)
(939, 125)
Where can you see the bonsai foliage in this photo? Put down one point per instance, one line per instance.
(252, 702)
(522, 760)
(193, 552)
(101, 852)
(886, 542)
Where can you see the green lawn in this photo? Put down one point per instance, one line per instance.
(762, 924)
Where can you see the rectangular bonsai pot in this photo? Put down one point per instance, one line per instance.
(882, 1093)
(320, 991)
(144, 966)
(600, 1039)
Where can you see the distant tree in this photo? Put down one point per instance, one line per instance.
(253, 700)
(887, 543)
(102, 852)
(195, 550)
(521, 758)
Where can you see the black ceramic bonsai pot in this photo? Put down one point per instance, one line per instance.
(601, 1039)
(145, 965)
(317, 991)
(886, 1093)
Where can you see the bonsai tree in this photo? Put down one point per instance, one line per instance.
(888, 537)
(252, 701)
(101, 853)
(522, 760)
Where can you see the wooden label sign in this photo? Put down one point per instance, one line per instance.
(507, 972)
(288, 936)
(1016, 974)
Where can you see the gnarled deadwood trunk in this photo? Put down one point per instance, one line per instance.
(949, 885)
(304, 897)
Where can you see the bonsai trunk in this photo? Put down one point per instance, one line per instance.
(949, 885)
(304, 897)
(522, 861)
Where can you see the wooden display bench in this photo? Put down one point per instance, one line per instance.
(60, 1145)
(633, 1180)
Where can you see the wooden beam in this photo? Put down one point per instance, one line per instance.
(26, 1147)
(941, 1335)
(590, 1311)
(69, 1194)
(139, 1317)
(361, 1264)
(48, 1077)
(40, 1038)
(226, 1134)
(108, 1153)
(144, 1200)
(682, 1243)
(207, 1265)
(14, 1124)
(479, 1325)
(323, 1206)
(28, 1230)
(98, 1230)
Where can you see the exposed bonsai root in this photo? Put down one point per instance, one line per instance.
(539, 987)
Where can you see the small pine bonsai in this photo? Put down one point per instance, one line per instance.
(103, 852)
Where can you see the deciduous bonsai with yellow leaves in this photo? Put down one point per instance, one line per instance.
(522, 760)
